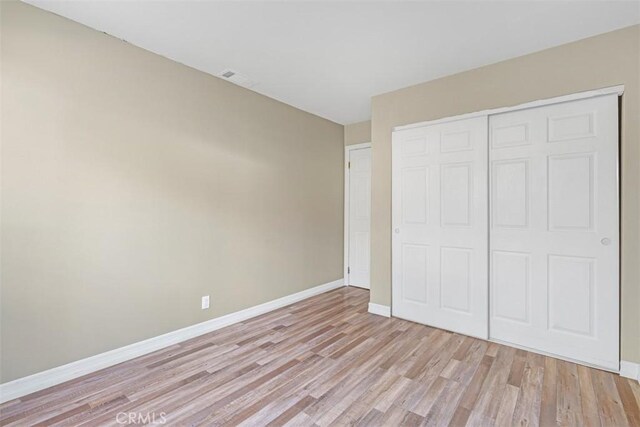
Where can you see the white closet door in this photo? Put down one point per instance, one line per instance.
(359, 217)
(439, 243)
(554, 229)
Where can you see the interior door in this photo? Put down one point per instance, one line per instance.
(440, 226)
(554, 229)
(359, 217)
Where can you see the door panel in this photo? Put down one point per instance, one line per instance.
(414, 273)
(456, 194)
(571, 285)
(510, 207)
(554, 231)
(439, 243)
(511, 278)
(415, 188)
(571, 192)
(359, 217)
(455, 282)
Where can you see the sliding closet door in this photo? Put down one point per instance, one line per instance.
(554, 229)
(439, 237)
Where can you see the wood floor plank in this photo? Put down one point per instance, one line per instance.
(628, 400)
(508, 405)
(440, 359)
(373, 418)
(635, 387)
(388, 397)
(588, 400)
(489, 399)
(361, 407)
(436, 342)
(548, 399)
(63, 416)
(527, 410)
(326, 361)
(471, 393)
(430, 397)
(460, 417)
(444, 408)
(398, 416)
(517, 368)
(252, 403)
(610, 408)
(206, 410)
(470, 363)
(337, 407)
(291, 412)
(302, 419)
(569, 404)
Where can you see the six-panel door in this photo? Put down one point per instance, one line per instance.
(359, 217)
(439, 226)
(554, 229)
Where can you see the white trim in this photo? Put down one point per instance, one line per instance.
(619, 90)
(347, 151)
(357, 146)
(630, 370)
(41, 380)
(379, 309)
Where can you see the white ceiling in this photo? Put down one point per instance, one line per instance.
(330, 58)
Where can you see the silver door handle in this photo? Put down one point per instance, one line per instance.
(605, 241)
(397, 230)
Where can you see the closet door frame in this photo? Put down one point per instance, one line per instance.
(618, 90)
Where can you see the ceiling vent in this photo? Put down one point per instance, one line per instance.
(236, 78)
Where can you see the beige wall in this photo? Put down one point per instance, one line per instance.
(605, 60)
(357, 133)
(133, 185)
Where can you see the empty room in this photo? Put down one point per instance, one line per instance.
(320, 213)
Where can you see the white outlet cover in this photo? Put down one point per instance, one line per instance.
(205, 302)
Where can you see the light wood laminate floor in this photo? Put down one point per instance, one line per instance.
(326, 361)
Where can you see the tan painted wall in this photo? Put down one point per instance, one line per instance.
(357, 133)
(133, 185)
(601, 61)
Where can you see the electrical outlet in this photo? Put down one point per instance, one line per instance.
(205, 302)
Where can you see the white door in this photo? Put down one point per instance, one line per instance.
(439, 226)
(554, 229)
(359, 217)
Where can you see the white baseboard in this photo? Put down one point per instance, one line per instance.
(41, 380)
(630, 370)
(379, 309)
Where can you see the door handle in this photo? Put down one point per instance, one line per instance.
(606, 241)
(397, 230)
